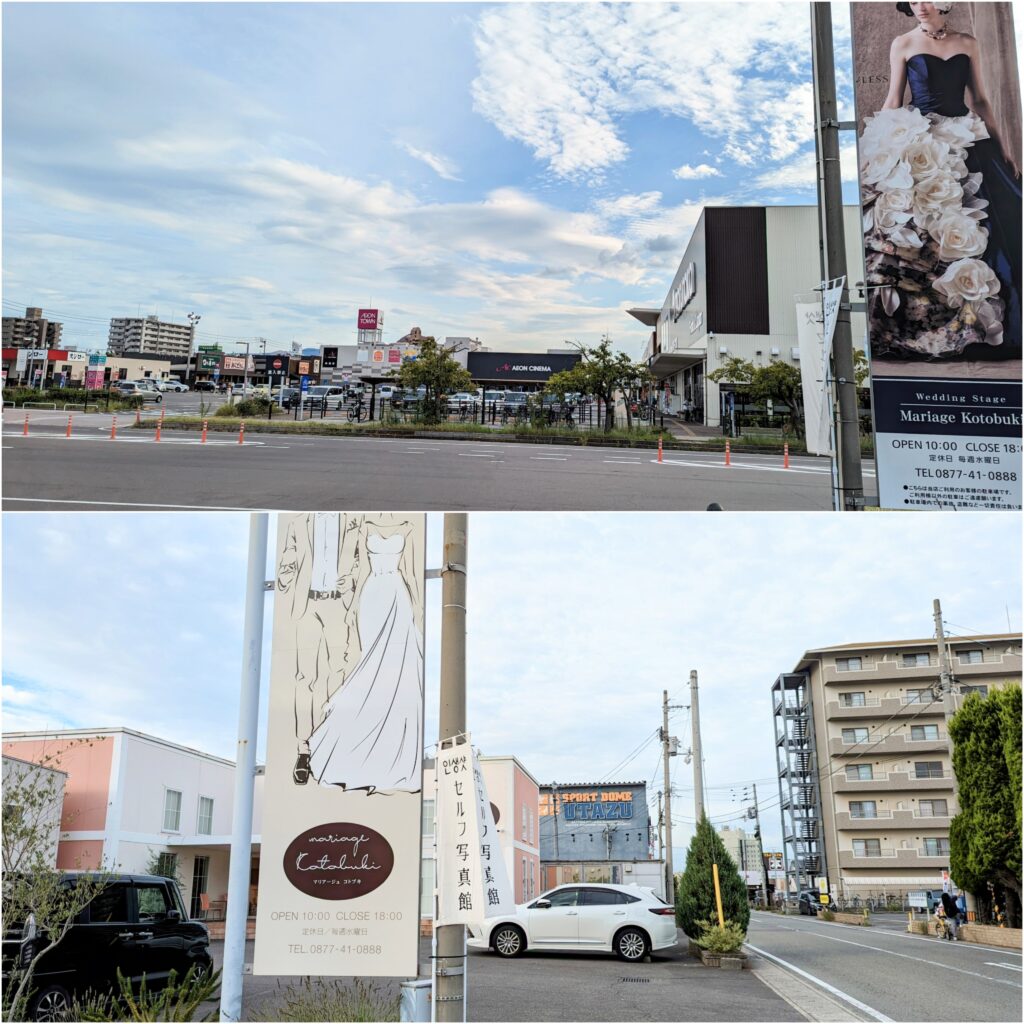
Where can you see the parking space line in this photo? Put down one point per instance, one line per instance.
(550, 458)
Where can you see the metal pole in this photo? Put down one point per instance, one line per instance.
(670, 879)
(760, 849)
(698, 762)
(450, 959)
(946, 687)
(245, 770)
(851, 483)
(661, 828)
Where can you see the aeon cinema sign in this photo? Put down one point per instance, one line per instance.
(338, 861)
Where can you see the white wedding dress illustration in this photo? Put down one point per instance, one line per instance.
(372, 734)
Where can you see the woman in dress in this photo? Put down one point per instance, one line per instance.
(942, 203)
(371, 737)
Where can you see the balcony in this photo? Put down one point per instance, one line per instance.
(886, 820)
(875, 707)
(892, 858)
(880, 819)
(887, 782)
(899, 745)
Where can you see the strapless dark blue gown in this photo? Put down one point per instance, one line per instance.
(937, 87)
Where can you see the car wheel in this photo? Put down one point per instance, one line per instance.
(53, 1002)
(631, 944)
(508, 940)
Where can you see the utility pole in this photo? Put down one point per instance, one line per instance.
(695, 750)
(947, 688)
(450, 958)
(670, 880)
(760, 848)
(830, 200)
(661, 828)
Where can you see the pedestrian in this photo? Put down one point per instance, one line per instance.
(952, 914)
(687, 407)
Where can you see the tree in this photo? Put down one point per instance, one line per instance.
(695, 892)
(38, 897)
(601, 373)
(985, 837)
(436, 370)
(777, 382)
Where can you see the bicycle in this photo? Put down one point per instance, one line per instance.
(357, 413)
(942, 929)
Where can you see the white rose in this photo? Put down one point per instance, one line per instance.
(967, 281)
(958, 236)
(891, 131)
(897, 199)
(935, 196)
(927, 157)
(955, 131)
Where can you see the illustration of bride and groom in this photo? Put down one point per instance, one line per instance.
(349, 581)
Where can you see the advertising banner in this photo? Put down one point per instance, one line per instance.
(77, 357)
(472, 881)
(341, 833)
(369, 319)
(813, 380)
(330, 357)
(939, 152)
(95, 371)
(394, 355)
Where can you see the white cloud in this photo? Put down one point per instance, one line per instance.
(800, 172)
(690, 173)
(441, 166)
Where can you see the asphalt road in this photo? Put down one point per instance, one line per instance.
(47, 470)
(891, 975)
(579, 987)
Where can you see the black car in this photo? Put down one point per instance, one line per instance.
(809, 903)
(204, 385)
(137, 924)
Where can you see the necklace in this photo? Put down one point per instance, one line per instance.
(940, 34)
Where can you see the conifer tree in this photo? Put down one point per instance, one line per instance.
(695, 890)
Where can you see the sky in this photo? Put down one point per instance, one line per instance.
(520, 173)
(576, 624)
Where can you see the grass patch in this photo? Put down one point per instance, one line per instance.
(316, 999)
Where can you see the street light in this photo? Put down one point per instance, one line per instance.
(193, 319)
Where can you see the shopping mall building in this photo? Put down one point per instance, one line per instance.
(734, 295)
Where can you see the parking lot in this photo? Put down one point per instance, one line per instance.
(673, 986)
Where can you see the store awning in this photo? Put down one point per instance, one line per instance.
(648, 317)
(665, 364)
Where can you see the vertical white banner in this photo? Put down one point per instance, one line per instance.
(472, 881)
(813, 378)
(341, 831)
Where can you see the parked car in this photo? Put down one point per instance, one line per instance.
(809, 903)
(495, 398)
(409, 397)
(135, 389)
(205, 385)
(331, 394)
(628, 920)
(516, 401)
(386, 391)
(137, 924)
(461, 400)
(175, 385)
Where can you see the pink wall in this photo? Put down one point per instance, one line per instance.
(87, 762)
(80, 854)
(526, 794)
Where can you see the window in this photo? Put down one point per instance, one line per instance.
(981, 690)
(924, 732)
(936, 847)
(863, 809)
(932, 808)
(172, 810)
(204, 826)
(867, 848)
(858, 735)
(852, 700)
(153, 902)
(524, 823)
(970, 657)
(918, 696)
(928, 770)
(167, 865)
(605, 898)
(859, 772)
(110, 905)
(427, 885)
(848, 664)
(565, 898)
(916, 660)
(428, 818)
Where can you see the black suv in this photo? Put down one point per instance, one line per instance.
(137, 923)
(809, 903)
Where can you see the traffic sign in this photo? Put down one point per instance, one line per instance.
(277, 364)
(304, 384)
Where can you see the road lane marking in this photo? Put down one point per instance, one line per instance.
(1009, 967)
(135, 504)
(907, 935)
(907, 956)
(623, 462)
(475, 455)
(863, 1007)
(549, 458)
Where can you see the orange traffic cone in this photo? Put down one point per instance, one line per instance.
(659, 449)
(24, 429)
(202, 440)
(241, 433)
(113, 429)
(785, 456)
(138, 415)
(728, 459)
(67, 433)
(157, 438)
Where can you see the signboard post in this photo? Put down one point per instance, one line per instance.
(942, 243)
(340, 860)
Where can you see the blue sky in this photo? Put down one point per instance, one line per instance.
(576, 624)
(521, 173)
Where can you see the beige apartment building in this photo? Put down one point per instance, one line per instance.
(866, 784)
(149, 336)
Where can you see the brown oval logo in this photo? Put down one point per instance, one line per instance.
(338, 861)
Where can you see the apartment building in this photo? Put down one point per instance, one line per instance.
(745, 851)
(32, 330)
(865, 776)
(149, 336)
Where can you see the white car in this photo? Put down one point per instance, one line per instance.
(462, 400)
(628, 920)
(174, 385)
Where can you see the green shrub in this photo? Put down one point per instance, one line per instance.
(827, 915)
(695, 892)
(317, 999)
(176, 1001)
(716, 938)
(248, 407)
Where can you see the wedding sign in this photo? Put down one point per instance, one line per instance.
(472, 881)
(341, 827)
(813, 378)
(939, 147)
